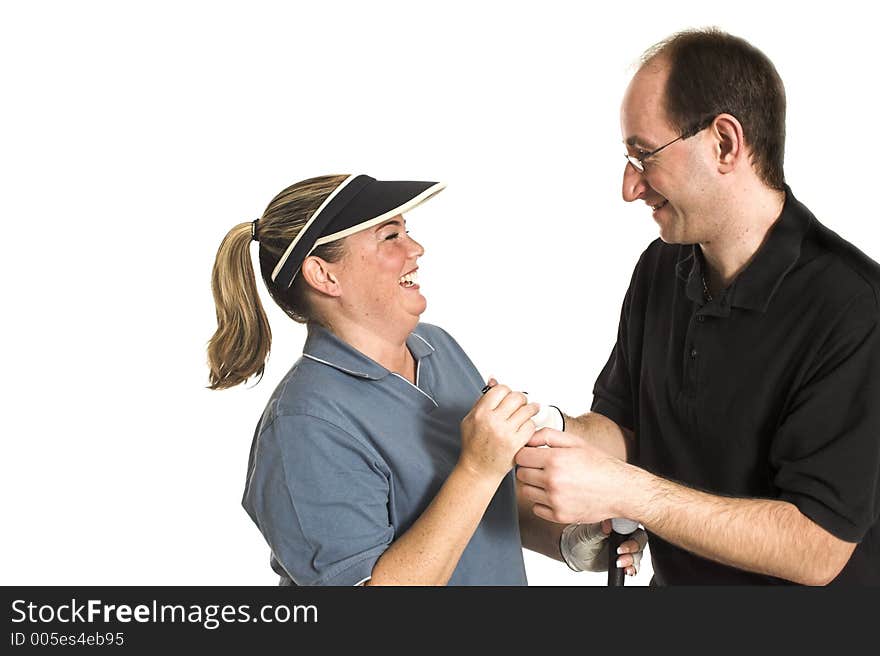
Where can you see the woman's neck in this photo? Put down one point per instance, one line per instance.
(389, 350)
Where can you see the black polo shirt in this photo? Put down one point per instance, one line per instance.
(771, 390)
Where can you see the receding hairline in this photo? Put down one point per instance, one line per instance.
(654, 61)
(656, 65)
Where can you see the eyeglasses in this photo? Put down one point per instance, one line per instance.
(638, 161)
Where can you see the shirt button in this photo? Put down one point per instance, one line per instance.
(693, 353)
(701, 318)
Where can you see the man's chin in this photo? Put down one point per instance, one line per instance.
(670, 235)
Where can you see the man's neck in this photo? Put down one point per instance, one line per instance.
(741, 234)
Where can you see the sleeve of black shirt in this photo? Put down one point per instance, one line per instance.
(612, 393)
(826, 453)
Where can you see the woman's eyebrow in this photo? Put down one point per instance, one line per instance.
(395, 222)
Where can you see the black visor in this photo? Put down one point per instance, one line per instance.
(358, 203)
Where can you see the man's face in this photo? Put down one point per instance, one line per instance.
(676, 183)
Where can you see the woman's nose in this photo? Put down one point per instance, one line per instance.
(416, 248)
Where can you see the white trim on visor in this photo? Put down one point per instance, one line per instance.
(369, 223)
(314, 216)
(400, 209)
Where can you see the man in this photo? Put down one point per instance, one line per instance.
(738, 417)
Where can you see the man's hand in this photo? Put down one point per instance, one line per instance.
(571, 482)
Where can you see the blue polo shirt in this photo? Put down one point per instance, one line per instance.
(347, 455)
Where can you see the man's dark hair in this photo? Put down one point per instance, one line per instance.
(712, 72)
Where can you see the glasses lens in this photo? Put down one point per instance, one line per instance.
(636, 163)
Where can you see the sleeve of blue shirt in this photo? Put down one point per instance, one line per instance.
(320, 498)
(826, 456)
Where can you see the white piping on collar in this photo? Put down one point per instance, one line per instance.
(428, 396)
(424, 340)
(336, 366)
(362, 375)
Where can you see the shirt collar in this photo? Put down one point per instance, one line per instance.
(756, 285)
(325, 347)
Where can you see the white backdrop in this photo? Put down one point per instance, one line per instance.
(136, 134)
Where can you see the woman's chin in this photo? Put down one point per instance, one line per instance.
(420, 306)
(416, 307)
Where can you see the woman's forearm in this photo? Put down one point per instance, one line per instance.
(428, 553)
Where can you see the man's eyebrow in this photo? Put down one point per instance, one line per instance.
(637, 141)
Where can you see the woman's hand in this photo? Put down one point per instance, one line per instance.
(499, 425)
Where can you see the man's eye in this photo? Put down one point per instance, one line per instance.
(393, 236)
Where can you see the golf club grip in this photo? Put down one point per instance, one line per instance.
(616, 575)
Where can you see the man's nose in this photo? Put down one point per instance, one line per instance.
(634, 185)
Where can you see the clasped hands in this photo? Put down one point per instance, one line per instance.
(572, 482)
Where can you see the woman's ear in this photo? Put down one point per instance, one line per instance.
(320, 276)
(730, 148)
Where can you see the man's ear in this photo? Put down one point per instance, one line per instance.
(727, 135)
(319, 275)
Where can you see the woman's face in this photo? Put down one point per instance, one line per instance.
(378, 276)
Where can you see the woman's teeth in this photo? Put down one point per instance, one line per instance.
(409, 279)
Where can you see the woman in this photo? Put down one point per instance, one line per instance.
(372, 463)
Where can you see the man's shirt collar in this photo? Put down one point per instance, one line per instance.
(756, 285)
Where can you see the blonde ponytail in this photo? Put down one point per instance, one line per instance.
(240, 346)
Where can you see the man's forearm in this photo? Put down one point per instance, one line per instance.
(602, 432)
(766, 536)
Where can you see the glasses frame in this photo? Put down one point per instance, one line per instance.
(638, 162)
